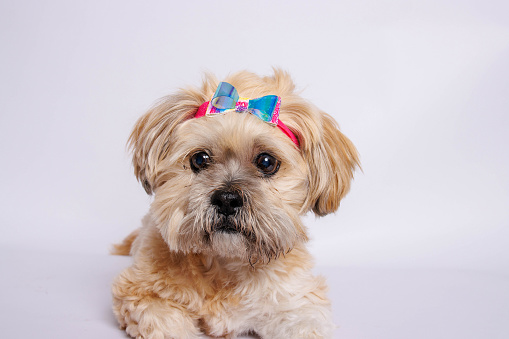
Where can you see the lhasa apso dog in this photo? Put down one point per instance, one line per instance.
(222, 249)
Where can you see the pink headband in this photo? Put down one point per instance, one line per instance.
(265, 108)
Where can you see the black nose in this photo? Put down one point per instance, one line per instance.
(227, 202)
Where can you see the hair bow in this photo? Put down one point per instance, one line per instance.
(227, 99)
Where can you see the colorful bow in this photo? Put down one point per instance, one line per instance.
(227, 99)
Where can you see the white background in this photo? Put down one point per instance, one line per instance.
(418, 249)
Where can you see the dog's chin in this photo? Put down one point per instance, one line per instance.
(227, 242)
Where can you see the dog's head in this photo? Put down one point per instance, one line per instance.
(233, 185)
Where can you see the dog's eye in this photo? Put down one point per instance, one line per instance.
(199, 161)
(267, 164)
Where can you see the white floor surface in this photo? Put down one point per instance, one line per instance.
(67, 295)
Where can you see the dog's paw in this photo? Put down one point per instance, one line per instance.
(311, 321)
(154, 319)
(300, 332)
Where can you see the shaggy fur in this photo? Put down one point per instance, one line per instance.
(189, 275)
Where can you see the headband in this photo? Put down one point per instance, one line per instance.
(265, 108)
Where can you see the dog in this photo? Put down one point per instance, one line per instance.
(222, 249)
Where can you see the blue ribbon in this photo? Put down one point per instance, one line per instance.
(226, 98)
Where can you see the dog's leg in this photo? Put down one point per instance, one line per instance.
(301, 314)
(144, 315)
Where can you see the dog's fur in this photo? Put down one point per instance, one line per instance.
(188, 277)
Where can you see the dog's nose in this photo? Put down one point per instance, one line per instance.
(227, 202)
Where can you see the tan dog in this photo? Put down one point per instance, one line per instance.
(222, 249)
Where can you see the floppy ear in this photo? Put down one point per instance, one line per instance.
(332, 159)
(150, 139)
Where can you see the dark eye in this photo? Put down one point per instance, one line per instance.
(199, 161)
(267, 164)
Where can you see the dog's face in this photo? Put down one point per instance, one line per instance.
(232, 185)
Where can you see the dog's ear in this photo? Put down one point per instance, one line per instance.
(331, 157)
(151, 137)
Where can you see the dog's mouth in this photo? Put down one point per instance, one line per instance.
(228, 225)
(225, 227)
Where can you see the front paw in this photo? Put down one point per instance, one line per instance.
(305, 321)
(150, 318)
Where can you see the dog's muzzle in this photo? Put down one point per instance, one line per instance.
(227, 203)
